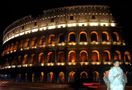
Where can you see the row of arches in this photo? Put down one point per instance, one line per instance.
(52, 40)
(71, 56)
(60, 77)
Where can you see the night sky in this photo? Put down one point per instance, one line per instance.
(11, 11)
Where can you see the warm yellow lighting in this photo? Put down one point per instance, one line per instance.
(18, 65)
(51, 27)
(50, 64)
(30, 65)
(83, 43)
(114, 43)
(118, 43)
(16, 35)
(71, 24)
(22, 33)
(98, 63)
(34, 30)
(62, 64)
(42, 28)
(24, 65)
(108, 43)
(104, 24)
(26, 32)
(93, 24)
(42, 64)
(8, 67)
(82, 24)
(61, 25)
(124, 43)
(109, 63)
(58, 64)
(126, 63)
(13, 66)
(72, 43)
(113, 24)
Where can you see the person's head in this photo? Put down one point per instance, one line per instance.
(116, 63)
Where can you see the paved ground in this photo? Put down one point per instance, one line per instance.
(6, 85)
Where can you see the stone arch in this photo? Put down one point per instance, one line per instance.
(71, 76)
(83, 36)
(106, 55)
(50, 57)
(96, 76)
(61, 56)
(41, 58)
(61, 77)
(117, 55)
(105, 36)
(33, 42)
(25, 60)
(94, 36)
(51, 39)
(127, 56)
(115, 37)
(72, 56)
(95, 56)
(83, 56)
(61, 38)
(50, 76)
(42, 41)
(72, 37)
(83, 74)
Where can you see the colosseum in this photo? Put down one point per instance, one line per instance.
(64, 44)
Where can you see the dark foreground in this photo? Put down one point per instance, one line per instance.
(7, 85)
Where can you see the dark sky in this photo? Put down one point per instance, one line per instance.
(11, 10)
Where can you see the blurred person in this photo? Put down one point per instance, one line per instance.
(116, 77)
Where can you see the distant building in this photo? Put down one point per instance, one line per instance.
(64, 44)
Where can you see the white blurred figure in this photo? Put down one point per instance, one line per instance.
(116, 77)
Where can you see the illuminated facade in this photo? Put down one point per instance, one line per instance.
(63, 44)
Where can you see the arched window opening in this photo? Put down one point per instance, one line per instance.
(106, 55)
(25, 61)
(72, 56)
(50, 57)
(34, 42)
(105, 37)
(83, 37)
(83, 56)
(115, 36)
(51, 39)
(117, 55)
(42, 41)
(61, 38)
(94, 37)
(95, 56)
(84, 75)
(61, 77)
(50, 76)
(12, 47)
(26, 45)
(21, 44)
(61, 57)
(33, 59)
(71, 76)
(42, 76)
(95, 76)
(72, 37)
(127, 56)
(41, 58)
